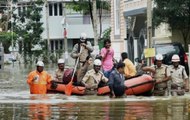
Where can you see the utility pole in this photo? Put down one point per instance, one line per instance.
(47, 27)
(65, 33)
(95, 23)
(149, 26)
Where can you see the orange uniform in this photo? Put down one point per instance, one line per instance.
(38, 82)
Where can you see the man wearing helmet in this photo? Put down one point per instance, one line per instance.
(93, 77)
(179, 78)
(161, 76)
(84, 46)
(60, 71)
(38, 79)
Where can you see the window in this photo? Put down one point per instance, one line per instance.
(56, 45)
(52, 45)
(50, 10)
(55, 9)
(19, 10)
(117, 16)
(60, 9)
(61, 44)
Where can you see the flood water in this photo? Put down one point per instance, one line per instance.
(16, 103)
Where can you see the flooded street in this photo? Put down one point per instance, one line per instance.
(16, 103)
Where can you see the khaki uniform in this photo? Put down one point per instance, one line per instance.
(84, 53)
(59, 75)
(93, 79)
(178, 76)
(83, 71)
(160, 89)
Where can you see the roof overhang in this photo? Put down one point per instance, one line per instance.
(135, 12)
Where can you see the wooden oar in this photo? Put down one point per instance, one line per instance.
(69, 86)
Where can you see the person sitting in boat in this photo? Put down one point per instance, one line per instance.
(129, 69)
(38, 79)
(93, 77)
(60, 71)
(179, 78)
(161, 76)
(116, 81)
(88, 65)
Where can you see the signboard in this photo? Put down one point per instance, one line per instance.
(149, 52)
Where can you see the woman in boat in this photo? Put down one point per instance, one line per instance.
(116, 81)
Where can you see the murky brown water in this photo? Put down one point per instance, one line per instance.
(17, 104)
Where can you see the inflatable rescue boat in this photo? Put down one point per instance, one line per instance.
(134, 86)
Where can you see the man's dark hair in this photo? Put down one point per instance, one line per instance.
(120, 65)
(124, 55)
(106, 41)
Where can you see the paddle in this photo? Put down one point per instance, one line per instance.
(69, 86)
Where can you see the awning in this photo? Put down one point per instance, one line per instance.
(135, 12)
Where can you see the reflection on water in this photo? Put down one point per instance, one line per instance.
(17, 104)
(155, 110)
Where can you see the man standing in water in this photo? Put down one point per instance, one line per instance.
(161, 76)
(179, 78)
(38, 79)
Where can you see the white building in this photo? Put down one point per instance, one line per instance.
(76, 23)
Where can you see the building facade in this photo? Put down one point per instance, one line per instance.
(54, 14)
(128, 21)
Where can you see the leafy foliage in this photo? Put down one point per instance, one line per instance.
(29, 28)
(84, 5)
(174, 12)
(6, 40)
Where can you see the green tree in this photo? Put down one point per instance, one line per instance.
(176, 13)
(28, 26)
(6, 40)
(85, 6)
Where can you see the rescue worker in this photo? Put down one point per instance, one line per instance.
(179, 78)
(129, 69)
(38, 79)
(161, 76)
(88, 65)
(85, 47)
(116, 81)
(93, 77)
(60, 71)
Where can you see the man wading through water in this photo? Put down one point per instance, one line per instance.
(179, 78)
(161, 76)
